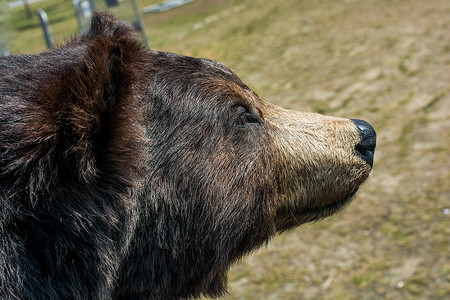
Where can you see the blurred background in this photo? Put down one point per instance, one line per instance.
(387, 62)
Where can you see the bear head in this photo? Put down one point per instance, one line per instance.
(134, 174)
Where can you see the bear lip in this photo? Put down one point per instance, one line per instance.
(289, 219)
(328, 209)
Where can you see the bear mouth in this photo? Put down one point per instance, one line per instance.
(327, 210)
(286, 218)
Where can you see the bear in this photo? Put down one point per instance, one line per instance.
(128, 173)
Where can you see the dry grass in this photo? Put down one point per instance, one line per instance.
(384, 61)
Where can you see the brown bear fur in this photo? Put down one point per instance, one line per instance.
(133, 174)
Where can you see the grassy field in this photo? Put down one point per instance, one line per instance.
(387, 62)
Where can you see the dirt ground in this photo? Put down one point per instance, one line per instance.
(387, 62)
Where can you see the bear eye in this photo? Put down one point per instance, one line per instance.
(245, 117)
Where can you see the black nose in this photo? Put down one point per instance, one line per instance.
(366, 147)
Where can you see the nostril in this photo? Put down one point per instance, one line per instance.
(368, 139)
(365, 154)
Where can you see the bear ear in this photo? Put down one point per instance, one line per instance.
(96, 102)
(101, 113)
(72, 113)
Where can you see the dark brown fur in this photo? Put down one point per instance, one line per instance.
(133, 174)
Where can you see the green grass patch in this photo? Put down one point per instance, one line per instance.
(404, 139)
(433, 102)
(361, 280)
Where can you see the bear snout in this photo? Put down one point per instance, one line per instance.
(325, 160)
(365, 149)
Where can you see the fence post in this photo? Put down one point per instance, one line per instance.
(139, 23)
(45, 28)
